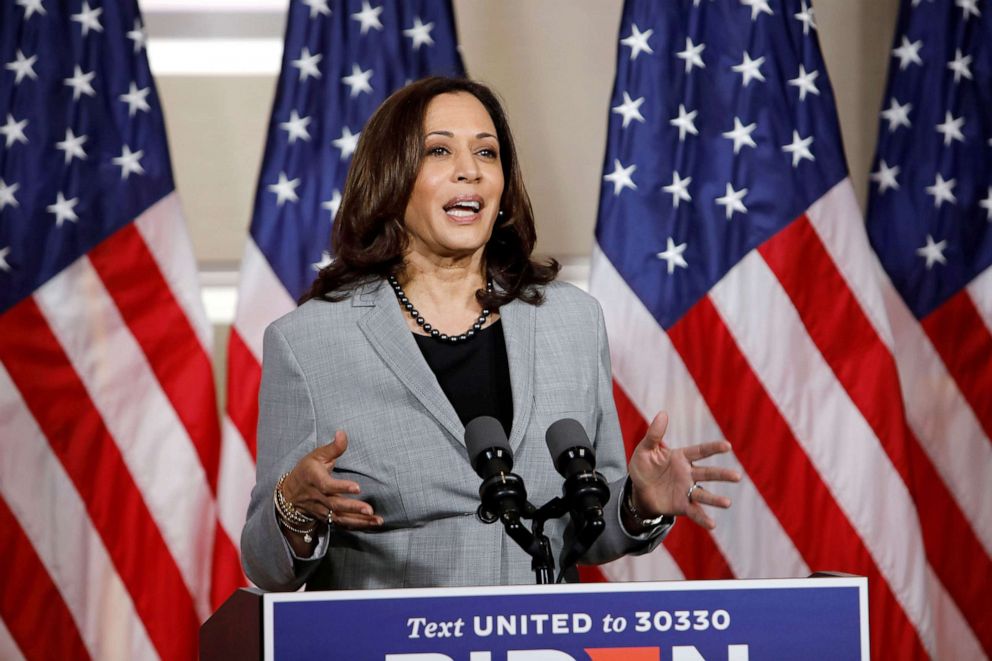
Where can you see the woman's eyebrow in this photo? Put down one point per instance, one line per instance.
(449, 134)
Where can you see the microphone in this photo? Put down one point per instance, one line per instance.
(575, 460)
(502, 492)
(585, 490)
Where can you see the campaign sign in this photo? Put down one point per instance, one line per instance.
(742, 620)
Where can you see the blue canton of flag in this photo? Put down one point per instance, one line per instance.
(723, 129)
(82, 145)
(930, 209)
(341, 60)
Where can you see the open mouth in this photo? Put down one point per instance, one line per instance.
(464, 208)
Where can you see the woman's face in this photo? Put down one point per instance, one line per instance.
(456, 196)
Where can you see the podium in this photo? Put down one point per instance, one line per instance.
(738, 620)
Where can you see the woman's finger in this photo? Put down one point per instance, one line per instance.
(703, 450)
(701, 496)
(356, 521)
(330, 486)
(714, 474)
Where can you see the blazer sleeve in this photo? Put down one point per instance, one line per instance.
(286, 433)
(611, 461)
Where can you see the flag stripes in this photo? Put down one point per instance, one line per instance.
(834, 321)
(28, 591)
(243, 379)
(93, 461)
(81, 569)
(964, 344)
(165, 335)
(779, 465)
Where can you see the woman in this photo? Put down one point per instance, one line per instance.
(432, 314)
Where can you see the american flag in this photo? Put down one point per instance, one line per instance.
(341, 60)
(742, 294)
(109, 433)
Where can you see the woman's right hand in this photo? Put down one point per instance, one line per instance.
(310, 487)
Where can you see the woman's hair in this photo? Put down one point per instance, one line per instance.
(369, 237)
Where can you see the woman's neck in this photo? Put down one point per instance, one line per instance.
(443, 290)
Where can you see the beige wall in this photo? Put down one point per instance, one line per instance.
(551, 60)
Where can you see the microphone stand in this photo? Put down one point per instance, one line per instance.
(534, 542)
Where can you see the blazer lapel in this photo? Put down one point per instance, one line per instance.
(519, 328)
(386, 329)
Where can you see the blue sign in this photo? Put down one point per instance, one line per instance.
(743, 620)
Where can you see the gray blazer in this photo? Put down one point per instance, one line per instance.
(354, 365)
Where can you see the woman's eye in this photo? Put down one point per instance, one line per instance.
(437, 151)
(487, 153)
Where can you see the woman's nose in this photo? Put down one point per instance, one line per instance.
(466, 167)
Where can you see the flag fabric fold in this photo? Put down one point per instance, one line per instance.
(341, 60)
(109, 432)
(742, 294)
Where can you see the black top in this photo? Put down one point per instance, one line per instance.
(474, 375)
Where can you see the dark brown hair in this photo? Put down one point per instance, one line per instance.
(369, 236)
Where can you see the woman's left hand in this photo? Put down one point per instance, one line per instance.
(661, 477)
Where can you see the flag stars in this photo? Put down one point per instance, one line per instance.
(7, 191)
(933, 252)
(347, 143)
(296, 127)
(358, 81)
(325, 260)
(731, 201)
(136, 99)
(758, 7)
(987, 205)
(951, 128)
(420, 33)
(741, 135)
(799, 148)
(63, 209)
(969, 8)
(621, 177)
(693, 55)
(630, 109)
(13, 131)
(960, 65)
(942, 191)
(897, 114)
(805, 82)
(368, 17)
(678, 189)
(138, 36)
(72, 146)
(318, 8)
(80, 83)
(638, 41)
(807, 18)
(285, 189)
(24, 67)
(749, 69)
(885, 176)
(685, 122)
(673, 256)
(31, 7)
(129, 162)
(908, 53)
(89, 18)
(307, 64)
(332, 204)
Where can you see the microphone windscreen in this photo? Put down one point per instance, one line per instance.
(566, 434)
(483, 433)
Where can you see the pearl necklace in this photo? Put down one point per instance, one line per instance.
(435, 333)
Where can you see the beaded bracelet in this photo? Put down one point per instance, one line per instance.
(289, 516)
